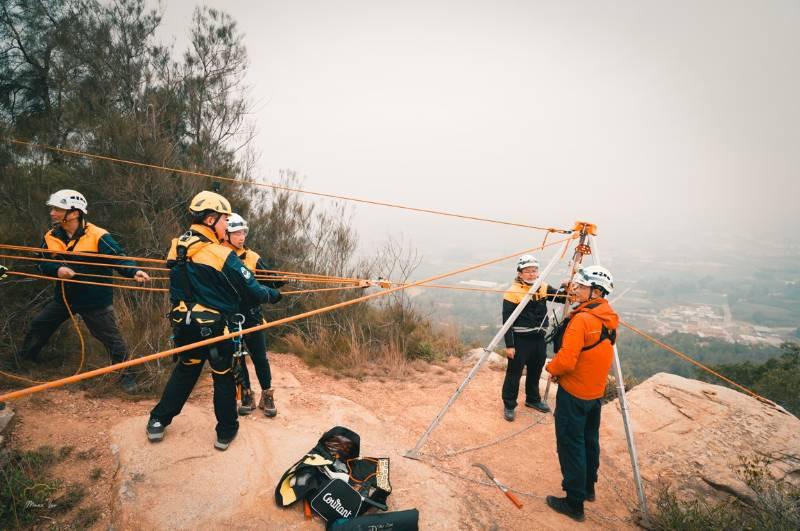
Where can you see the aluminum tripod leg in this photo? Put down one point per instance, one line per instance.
(623, 404)
(626, 420)
(414, 452)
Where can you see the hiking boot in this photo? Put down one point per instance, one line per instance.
(567, 507)
(248, 404)
(590, 497)
(267, 403)
(508, 414)
(539, 405)
(155, 430)
(128, 382)
(223, 442)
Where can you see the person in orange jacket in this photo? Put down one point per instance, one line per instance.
(581, 367)
(72, 232)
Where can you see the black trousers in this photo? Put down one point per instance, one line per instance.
(101, 322)
(186, 372)
(530, 352)
(578, 443)
(257, 347)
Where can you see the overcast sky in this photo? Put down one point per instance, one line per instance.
(668, 119)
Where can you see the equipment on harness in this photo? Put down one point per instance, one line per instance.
(557, 337)
(243, 393)
(3, 270)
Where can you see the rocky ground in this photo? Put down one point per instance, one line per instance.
(689, 435)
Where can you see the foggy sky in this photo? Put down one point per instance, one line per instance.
(655, 120)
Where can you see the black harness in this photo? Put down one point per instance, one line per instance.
(558, 333)
(187, 240)
(186, 311)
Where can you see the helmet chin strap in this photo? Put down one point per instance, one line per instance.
(64, 220)
(213, 226)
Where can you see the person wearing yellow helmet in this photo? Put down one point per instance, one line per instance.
(208, 283)
(71, 232)
(256, 341)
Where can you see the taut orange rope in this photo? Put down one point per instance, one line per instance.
(177, 350)
(280, 187)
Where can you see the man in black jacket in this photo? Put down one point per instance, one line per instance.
(525, 339)
(207, 284)
(256, 341)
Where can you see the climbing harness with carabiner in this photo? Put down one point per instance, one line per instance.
(238, 364)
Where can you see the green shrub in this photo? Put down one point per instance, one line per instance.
(775, 505)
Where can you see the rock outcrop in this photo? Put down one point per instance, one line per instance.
(694, 436)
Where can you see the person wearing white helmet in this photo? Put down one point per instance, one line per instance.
(525, 340)
(256, 341)
(581, 366)
(72, 233)
(208, 284)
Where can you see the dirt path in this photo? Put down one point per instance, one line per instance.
(183, 483)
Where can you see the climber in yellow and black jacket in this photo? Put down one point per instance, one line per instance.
(72, 233)
(208, 284)
(251, 309)
(525, 339)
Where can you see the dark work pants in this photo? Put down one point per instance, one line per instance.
(186, 372)
(578, 443)
(257, 347)
(101, 322)
(530, 352)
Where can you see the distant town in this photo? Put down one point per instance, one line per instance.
(705, 320)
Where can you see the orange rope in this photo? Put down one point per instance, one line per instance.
(310, 275)
(31, 275)
(79, 253)
(80, 338)
(268, 278)
(98, 264)
(140, 288)
(280, 187)
(37, 250)
(297, 292)
(144, 359)
(77, 327)
(300, 278)
(695, 362)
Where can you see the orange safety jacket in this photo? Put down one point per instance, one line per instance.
(89, 238)
(583, 373)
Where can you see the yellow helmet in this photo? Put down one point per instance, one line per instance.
(206, 200)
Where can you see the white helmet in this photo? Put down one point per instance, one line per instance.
(527, 260)
(237, 223)
(595, 277)
(68, 200)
